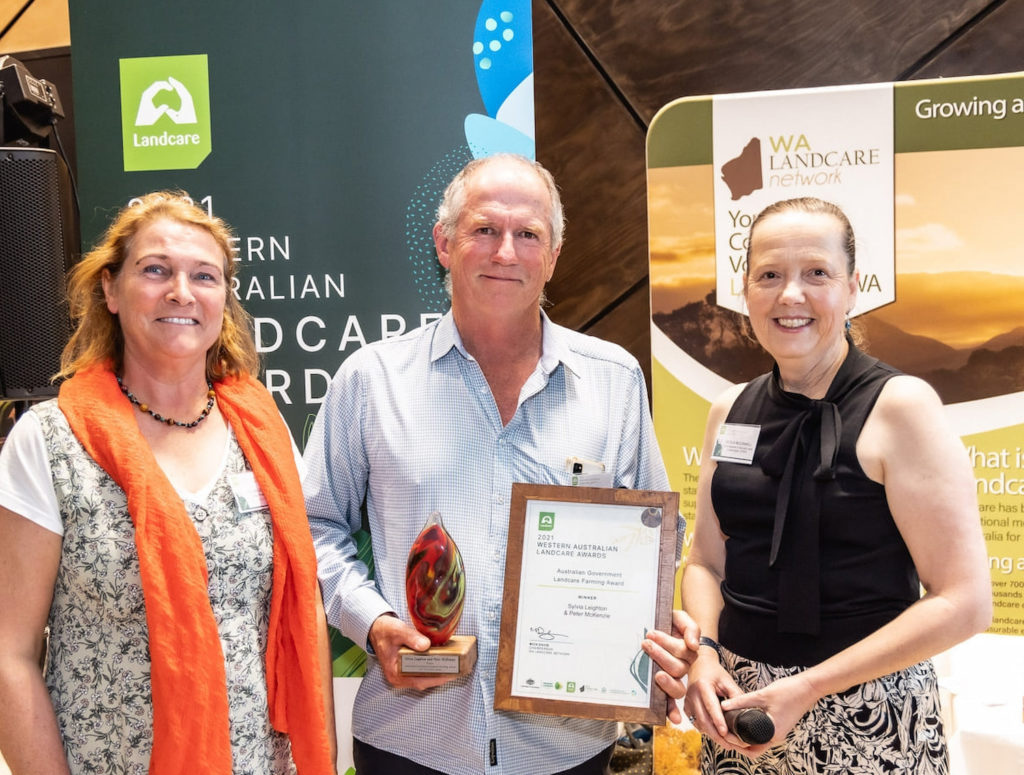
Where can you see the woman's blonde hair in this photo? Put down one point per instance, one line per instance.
(98, 337)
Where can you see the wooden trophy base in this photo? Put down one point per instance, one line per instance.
(456, 657)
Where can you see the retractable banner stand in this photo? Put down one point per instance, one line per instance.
(931, 174)
(324, 133)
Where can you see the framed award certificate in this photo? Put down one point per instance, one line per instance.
(588, 571)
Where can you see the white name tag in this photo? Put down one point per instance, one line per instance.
(588, 473)
(736, 443)
(248, 495)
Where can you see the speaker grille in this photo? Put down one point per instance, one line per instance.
(34, 321)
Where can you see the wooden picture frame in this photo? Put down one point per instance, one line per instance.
(585, 587)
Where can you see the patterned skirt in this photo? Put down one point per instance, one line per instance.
(882, 727)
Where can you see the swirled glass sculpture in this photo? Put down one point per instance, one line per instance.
(435, 582)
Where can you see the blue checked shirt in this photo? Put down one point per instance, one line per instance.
(410, 425)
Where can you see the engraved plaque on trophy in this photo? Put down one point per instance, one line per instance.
(435, 590)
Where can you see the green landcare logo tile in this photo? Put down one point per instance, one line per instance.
(546, 520)
(165, 112)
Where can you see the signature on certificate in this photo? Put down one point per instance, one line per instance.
(546, 634)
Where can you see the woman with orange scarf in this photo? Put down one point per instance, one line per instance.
(151, 517)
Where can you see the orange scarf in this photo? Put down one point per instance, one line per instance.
(190, 704)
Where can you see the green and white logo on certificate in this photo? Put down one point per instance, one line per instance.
(165, 112)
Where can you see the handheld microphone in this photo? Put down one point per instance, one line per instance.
(751, 725)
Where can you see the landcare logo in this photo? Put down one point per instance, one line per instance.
(165, 112)
(546, 520)
(792, 163)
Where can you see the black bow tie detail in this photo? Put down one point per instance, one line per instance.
(803, 459)
(797, 440)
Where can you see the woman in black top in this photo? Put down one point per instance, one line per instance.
(830, 490)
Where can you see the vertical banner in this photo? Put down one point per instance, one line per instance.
(324, 133)
(800, 149)
(932, 176)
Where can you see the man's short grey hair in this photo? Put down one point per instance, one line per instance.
(454, 200)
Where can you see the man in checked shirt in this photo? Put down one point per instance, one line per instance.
(445, 418)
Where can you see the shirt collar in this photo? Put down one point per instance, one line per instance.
(555, 348)
(554, 344)
(446, 336)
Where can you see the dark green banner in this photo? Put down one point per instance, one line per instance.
(322, 132)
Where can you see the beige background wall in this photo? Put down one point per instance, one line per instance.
(43, 24)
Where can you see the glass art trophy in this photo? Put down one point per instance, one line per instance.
(435, 591)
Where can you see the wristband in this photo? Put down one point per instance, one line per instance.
(711, 643)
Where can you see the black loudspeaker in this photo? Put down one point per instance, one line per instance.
(36, 235)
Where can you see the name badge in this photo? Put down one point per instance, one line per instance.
(736, 443)
(588, 473)
(248, 495)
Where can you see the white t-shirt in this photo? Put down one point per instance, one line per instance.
(26, 482)
(26, 485)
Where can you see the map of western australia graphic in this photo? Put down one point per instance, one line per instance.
(743, 174)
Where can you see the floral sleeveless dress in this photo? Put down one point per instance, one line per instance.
(98, 655)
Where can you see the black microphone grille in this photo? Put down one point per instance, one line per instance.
(751, 725)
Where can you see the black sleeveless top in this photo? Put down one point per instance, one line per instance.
(813, 559)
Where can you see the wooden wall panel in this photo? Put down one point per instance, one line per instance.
(992, 45)
(629, 324)
(656, 52)
(595, 150)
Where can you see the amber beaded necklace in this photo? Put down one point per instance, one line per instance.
(211, 394)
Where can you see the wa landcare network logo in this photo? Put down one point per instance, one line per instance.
(165, 112)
